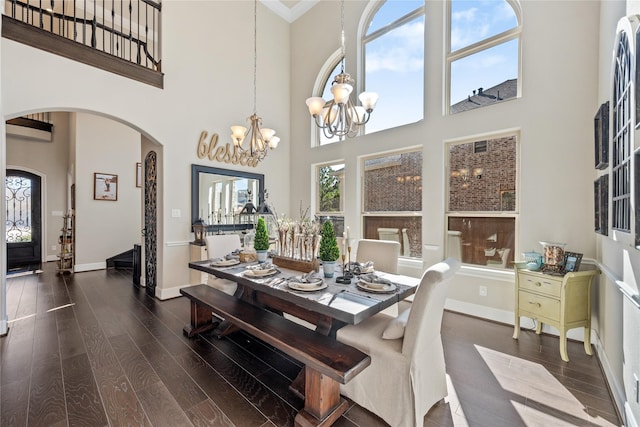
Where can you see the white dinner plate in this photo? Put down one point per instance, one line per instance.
(261, 273)
(225, 262)
(376, 287)
(309, 287)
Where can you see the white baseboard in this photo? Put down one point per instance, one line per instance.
(89, 267)
(504, 316)
(617, 389)
(477, 310)
(52, 258)
(163, 294)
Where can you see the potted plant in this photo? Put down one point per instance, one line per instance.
(261, 240)
(329, 250)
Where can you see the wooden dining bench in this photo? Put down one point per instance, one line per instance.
(328, 363)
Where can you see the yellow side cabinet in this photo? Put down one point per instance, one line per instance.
(560, 301)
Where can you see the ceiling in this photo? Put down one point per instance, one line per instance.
(289, 10)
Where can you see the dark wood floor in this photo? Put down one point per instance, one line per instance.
(91, 350)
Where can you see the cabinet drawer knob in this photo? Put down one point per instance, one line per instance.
(537, 283)
(537, 304)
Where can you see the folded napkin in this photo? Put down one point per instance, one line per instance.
(362, 267)
(261, 266)
(233, 255)
(310, 277)
(373, 278)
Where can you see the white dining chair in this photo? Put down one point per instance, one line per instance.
(407, 357)
(504, 258)
(219, 245)
(383, 253)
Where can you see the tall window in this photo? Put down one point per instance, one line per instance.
(482, 59)
(482, 204)
(393, 52)
(622, 131)
(392, 200)
(329, 194)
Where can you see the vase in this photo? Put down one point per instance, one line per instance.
(328, 267)
(262, 255)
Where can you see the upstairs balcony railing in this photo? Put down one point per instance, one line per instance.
(128, 30)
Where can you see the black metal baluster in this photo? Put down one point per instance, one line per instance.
(93, 31)
(51, 23)
(130, 29)
(103, 15)
(40, 15)
(146, 33)
(113, 26)
(138, 58)
(84, 21)
(75, 28)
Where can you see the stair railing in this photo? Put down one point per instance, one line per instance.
(127, 29)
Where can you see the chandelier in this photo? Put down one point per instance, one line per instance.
(261, 140)
(340, 116)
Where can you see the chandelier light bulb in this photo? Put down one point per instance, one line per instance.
(237, 134)
(267, 134)
(341, 92)
(315, 104)
(369, 100)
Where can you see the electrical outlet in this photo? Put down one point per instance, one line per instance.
(176, 213)
(483, 291)
(636, 388)
(54, 247)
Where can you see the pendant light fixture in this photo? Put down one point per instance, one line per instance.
(260, 140)
(340, 116)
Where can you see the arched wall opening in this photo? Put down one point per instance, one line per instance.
(84, 143)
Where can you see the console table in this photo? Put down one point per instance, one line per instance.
(561, 301)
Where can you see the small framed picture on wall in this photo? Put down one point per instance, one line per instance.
(105, 186)
(601, 204)
(601, 136)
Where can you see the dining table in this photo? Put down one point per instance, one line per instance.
(328, 306)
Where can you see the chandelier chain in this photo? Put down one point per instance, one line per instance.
(340, 116)
(342, 39)
(255, 53)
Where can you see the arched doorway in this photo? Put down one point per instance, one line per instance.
(23, 229)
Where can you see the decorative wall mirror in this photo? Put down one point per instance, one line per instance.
(224, 198)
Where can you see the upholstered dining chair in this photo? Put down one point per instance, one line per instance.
(219, 245)
(383, 253)
(407, 372)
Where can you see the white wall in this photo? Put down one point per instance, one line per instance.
(565, 76)
(208, 86)
(554, 118)
(48, 159)
(105, 228)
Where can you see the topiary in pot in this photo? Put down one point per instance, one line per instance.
(329, 250)
(261, 240)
